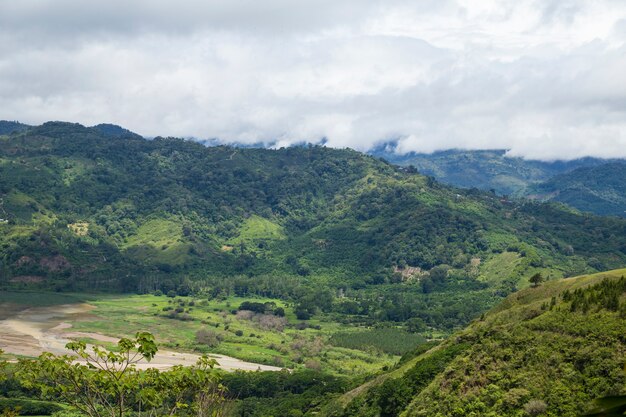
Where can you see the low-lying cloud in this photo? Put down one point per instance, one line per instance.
(543, 78)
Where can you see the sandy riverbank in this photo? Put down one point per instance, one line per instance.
(35, 330)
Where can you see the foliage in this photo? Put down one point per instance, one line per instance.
(108, 383)
(394, 394)
(614, 406)
(8, 127)
(29, 407)
(536, 279)
(389, 340)
(597, 189)
(532, 355)
(283, 393)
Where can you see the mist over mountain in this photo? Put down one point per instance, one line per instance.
(313, 208)
(485, 169)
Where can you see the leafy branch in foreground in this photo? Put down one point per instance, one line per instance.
(104, 383)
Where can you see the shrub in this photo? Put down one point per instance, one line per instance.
(313, 364)
(535, 407)
(208, 337)
(29, 407)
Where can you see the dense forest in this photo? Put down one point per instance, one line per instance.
(333, 230)
(549, 350)
(484, 169)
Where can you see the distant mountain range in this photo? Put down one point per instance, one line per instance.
(598, 189)
(586, 184)
(485, 169)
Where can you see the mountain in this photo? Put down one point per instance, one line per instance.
(599, 189)
(333, 230)
(484, 169)
(547, 351)
(114, 131)
(8, 127)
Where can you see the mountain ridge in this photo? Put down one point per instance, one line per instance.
(83, 211)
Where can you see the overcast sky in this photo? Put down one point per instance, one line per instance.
(544, 78)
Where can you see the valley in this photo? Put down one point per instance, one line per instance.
(34, 330)
(216, 328)
(361, 287)
(555, 347)
(313, 208)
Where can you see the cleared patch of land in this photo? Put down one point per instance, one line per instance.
(191, 326)
(34, 330)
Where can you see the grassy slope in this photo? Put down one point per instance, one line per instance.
(523, 350)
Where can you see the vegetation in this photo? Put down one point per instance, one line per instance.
(108, 383)
(597, 189)
(332, 231)
(284, 393)
(334, 264)
(537, 353)
(8, 127)
(485, 169)
(221, 326)
(388, 340)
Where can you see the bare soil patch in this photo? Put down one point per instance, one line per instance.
(32, 331)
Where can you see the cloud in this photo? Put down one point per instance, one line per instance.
(541, 78)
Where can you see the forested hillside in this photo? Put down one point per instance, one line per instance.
(485, 169)
(8, 127)
(600, 189)
(104, 209)
(546, 351)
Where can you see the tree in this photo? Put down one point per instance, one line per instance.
(535, 407)
(3, 365)
(393, 396)
(104, 383)
(302, 313)
(536, 279)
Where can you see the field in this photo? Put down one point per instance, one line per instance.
(257, 338)
(196, 325)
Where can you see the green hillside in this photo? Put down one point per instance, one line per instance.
(600, 189)
(486, 169)
(104, 209)
(7, 127)
(545, 351)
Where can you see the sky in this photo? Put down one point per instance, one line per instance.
(545, 79)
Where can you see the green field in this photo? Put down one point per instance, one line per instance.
(286, 343)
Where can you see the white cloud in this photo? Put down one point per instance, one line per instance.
(543, 78)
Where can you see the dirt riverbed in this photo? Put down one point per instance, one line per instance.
(35, 330)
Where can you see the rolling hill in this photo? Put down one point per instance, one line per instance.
(600, 189)
(544, 351)
(484, 169)
(104, 209)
